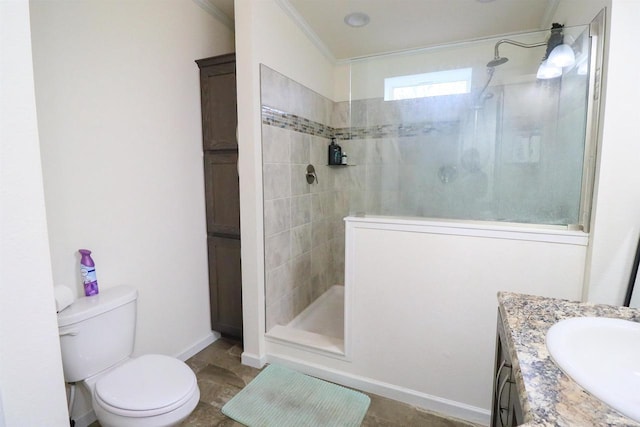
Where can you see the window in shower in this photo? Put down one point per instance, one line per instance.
(437, 83)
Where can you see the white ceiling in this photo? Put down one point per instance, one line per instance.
(405, 24)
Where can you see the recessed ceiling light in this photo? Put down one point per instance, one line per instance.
(356, 19)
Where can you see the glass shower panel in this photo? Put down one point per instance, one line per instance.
(440, 133)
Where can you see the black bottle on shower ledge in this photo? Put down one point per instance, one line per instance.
(335, 153)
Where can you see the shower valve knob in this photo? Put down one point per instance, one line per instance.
(311, 175)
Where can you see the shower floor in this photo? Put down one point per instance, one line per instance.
(321, 325)
(325, 316)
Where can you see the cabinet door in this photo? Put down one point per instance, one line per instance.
(225, 291)
(515, 411)
(222, 193)
(218, 98)
(501, 389)
(505, 410)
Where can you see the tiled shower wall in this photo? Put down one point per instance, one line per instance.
(303, 223)
(394, 148)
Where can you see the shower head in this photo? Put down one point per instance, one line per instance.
(497, 61)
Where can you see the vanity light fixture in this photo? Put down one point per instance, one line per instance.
(356, 19)
(558, 55)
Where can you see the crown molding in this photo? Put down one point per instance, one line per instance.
(306, 29)
(214, 11)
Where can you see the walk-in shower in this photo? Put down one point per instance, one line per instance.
(455, 133)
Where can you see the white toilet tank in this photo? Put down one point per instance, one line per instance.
(97, 332)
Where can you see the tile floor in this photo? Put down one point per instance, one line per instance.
(221, 376)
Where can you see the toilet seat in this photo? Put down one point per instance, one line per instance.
(146, 386)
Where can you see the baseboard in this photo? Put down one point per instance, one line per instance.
(253, 360)
(200, 345)
(425, 401)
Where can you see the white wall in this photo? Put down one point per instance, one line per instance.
(368, 75)
(118, 101)
(31, 382)
(616, 220)
(430, 301)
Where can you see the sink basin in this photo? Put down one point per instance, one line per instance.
(603, 356)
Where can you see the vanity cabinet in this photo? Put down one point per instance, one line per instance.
(505, 409)
(222, 193)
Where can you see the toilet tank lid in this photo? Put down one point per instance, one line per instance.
(86, 307)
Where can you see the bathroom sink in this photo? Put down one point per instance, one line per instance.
(603, 356)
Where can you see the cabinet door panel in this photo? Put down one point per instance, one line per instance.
(505, 408)
(225, 285)
(222, 193)
(219, 117)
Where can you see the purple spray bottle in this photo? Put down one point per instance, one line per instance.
(88, 273)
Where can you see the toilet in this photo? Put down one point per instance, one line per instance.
(96, 339)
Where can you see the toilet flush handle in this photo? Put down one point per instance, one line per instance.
(72, 333)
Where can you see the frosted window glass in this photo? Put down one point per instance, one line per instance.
(437, 83)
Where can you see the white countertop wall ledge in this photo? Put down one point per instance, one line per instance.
(487, 229)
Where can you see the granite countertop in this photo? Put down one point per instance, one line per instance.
(548, 397)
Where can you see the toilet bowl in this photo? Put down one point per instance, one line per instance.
(96, 340)
(149, 391)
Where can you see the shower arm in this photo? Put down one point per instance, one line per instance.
(515, 43)
(498, 60)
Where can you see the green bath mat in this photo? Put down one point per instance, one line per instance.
(280, 397)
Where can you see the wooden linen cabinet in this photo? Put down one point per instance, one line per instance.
(222, 196)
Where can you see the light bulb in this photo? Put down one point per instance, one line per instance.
(562, 56)
(547, 71)
(583, 68)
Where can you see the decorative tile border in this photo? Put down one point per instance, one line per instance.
(282, 119)
(274, 117)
